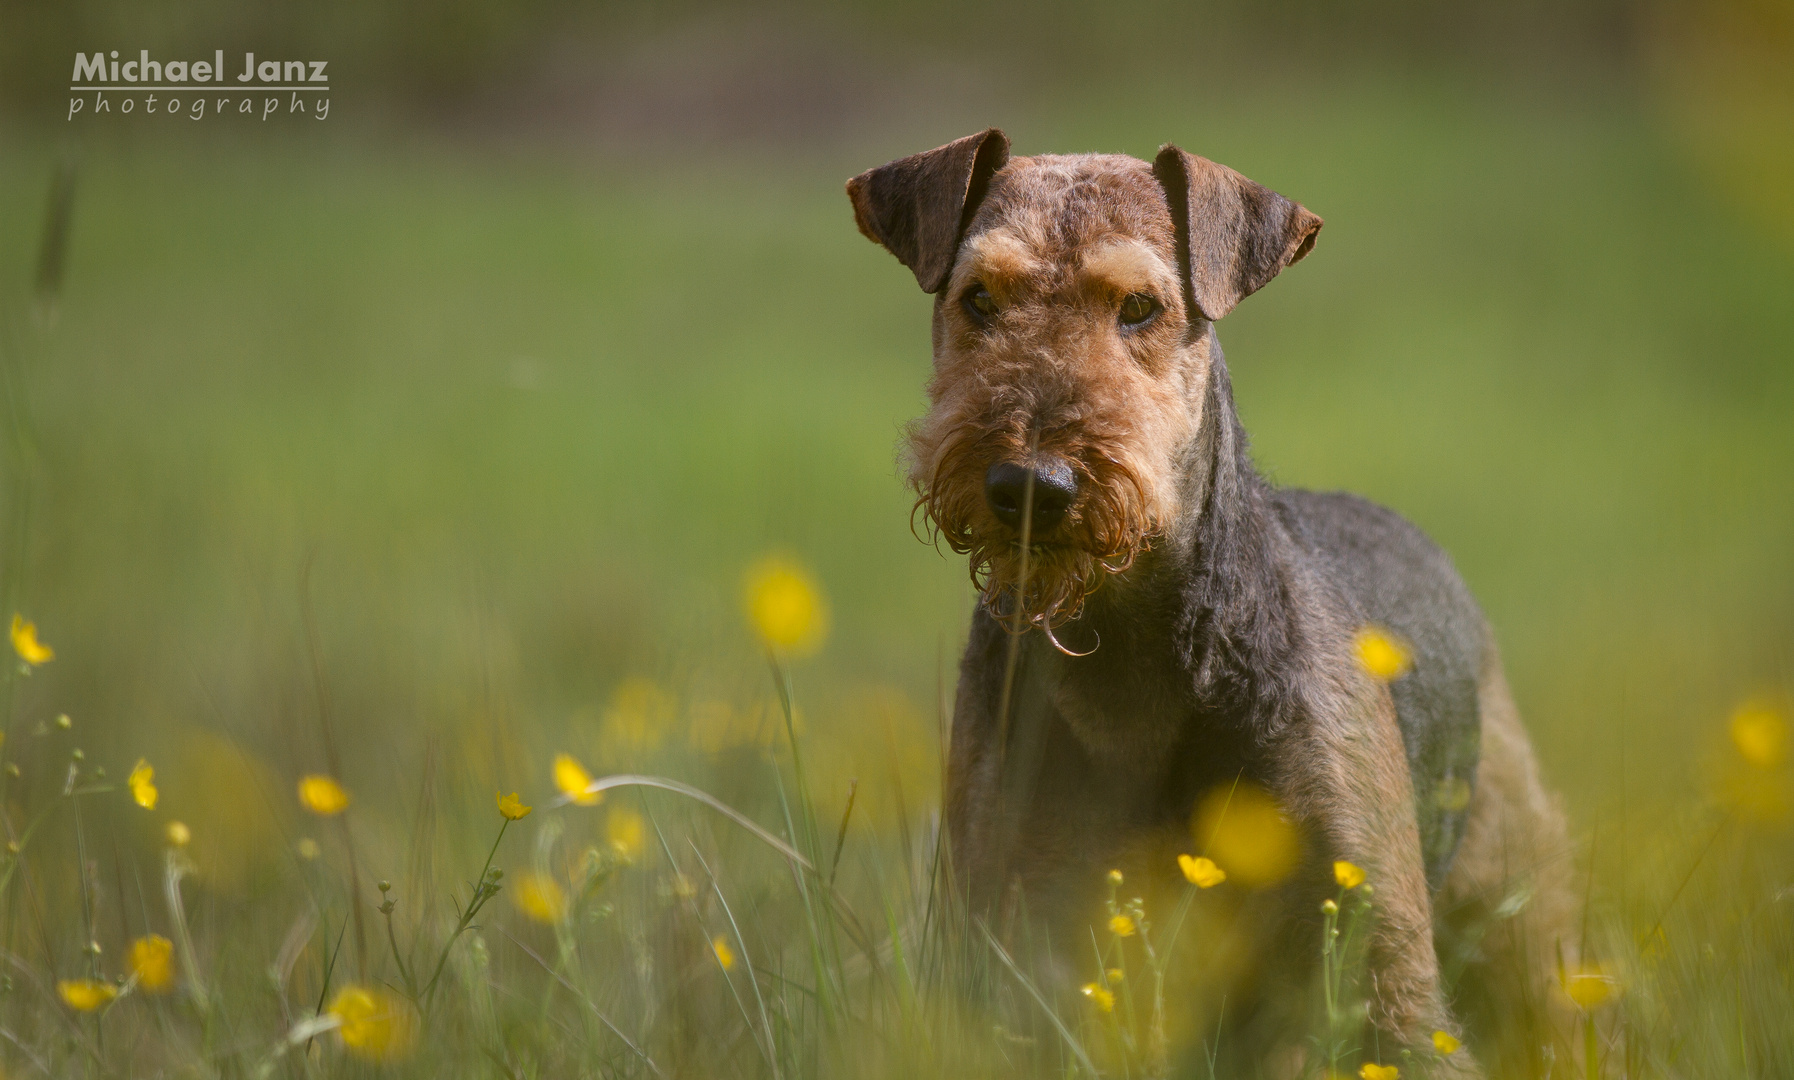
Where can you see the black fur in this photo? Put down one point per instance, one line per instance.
(1197, 674)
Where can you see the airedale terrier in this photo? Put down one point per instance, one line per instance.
(1158, 622)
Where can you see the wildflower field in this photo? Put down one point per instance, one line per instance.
(467, 622)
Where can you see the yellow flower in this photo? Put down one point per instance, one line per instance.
(143, 785)
(1114, 877)
(1347, 874)
(322, 795)
(1446, 1043)
(1121, 926)
(1115, 975)
(151, 960)
(573, 780)
(1761, 734)
(1201, 871)
(512, 807)
(540, 897)
(1104, 1000)
(85, 995)
(178, 834)
(1382, 655)
(724, 955)
(25, 643)
(785, 607)
(1243, 829)
(373, 1023)
(624, 829)
(1369, 1071)
(1589, 987)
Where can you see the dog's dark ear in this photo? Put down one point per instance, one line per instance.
(918, 206)
(1235, 234)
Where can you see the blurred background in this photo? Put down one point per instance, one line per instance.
(461, 415)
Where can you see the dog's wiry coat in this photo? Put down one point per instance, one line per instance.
(1218, 648)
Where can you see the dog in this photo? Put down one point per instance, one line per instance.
(1157, 623)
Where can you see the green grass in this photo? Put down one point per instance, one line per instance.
(517, 421)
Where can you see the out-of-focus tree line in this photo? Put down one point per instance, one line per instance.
(448, 56)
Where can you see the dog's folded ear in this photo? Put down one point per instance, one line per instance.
(1234, 235)
(918, 207)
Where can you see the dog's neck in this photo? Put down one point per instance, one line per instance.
(1204, 614)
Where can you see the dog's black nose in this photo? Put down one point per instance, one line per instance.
(1006, 492)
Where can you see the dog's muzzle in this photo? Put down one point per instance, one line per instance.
(1006, 492)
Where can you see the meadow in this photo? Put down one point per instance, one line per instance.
(415, 463)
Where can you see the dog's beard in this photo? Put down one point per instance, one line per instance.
(1104, 530)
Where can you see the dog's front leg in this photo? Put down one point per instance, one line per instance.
(1345, 775)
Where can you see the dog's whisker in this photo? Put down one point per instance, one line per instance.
(1048, 631)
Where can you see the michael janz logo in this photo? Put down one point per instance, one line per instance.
(198, 88)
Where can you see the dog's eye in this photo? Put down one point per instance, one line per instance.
(1138, 308)
(980, 303)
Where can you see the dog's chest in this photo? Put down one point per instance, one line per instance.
(1120, 723)
(1141, 727)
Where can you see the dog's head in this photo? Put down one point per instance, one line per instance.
(1071, 346)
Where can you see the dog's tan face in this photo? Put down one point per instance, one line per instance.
(1062, 346)
(1071, 352)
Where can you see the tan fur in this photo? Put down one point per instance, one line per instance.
(1116, 268)
(1351, 774)
(1517, 832)
(1348, 772)
(1000, 259)
(1057, 378)
(1516, 852)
